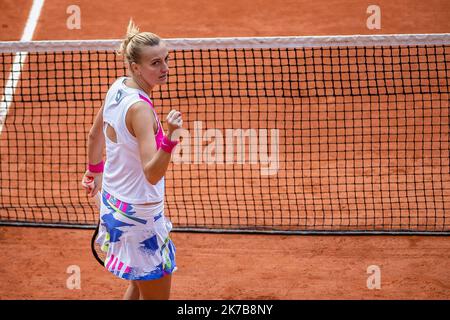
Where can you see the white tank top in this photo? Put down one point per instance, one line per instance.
(123, 174)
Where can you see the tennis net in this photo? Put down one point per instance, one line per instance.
(289, 134)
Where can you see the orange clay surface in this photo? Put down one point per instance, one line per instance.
(235, 266)
(34, 261)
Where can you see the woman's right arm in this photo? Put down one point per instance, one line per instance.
(154, 162)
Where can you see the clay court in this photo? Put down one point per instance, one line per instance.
(240, 266)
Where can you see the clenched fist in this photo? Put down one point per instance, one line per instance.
(174, 122)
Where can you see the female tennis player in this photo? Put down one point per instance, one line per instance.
(133, 228)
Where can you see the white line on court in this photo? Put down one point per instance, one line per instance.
(19, 59)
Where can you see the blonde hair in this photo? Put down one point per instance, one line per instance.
(134, 41)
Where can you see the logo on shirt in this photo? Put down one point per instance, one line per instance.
(119, 96)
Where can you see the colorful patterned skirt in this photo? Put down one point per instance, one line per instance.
(135, 239)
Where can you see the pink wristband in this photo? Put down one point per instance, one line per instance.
(168, 145)
(96, 168)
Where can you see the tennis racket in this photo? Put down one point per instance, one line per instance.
(98, 252)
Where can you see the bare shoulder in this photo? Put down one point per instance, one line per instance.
(139, 116)
(139, 106)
